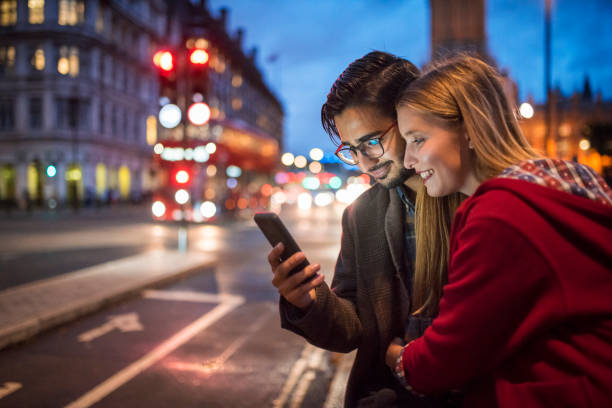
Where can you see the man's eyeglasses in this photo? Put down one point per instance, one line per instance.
(371, 148)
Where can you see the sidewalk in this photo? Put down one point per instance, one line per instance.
(29, 309)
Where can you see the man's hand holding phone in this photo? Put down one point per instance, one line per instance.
(293, 286)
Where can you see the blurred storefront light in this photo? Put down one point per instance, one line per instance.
(281, 178)
(233, 171)
(304, 201)
(311, 183)
(170, 116)
(324, 199)
(584, 144)
(231, 183)
(335, 182)
(211, 170)
(287, 159)
(315, 167)
(300, 162)
(526, 110)
(316, 154)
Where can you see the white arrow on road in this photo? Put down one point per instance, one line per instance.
(125, 323)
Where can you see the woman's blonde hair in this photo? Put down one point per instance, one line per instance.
(463, 92)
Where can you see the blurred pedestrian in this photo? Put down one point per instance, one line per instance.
(368, 302)
(526, 318)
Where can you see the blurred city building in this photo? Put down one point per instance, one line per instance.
(580, 128)
(76, 90)
(80, 97)
(231, 153)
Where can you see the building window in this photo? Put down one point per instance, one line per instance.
(37, 11)
(7, 59)
(7, 114)
(68, 61)
(37, 59)
(100, 20)
(67, 113)
(237, 81)
(236, 104)
(114, 120)
(8, 12)
(101, 119)
(71, 12)
(36, 113)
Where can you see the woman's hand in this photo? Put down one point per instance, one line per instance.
(393, 352)
(291, 287)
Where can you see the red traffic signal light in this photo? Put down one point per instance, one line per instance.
(198, 56)
(164, 60)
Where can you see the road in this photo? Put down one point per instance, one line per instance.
(210, 340)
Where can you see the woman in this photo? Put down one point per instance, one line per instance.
(526, 317)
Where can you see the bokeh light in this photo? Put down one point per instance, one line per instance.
(300, 162)
(287, 159)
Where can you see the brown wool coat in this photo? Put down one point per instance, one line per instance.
(368, 302)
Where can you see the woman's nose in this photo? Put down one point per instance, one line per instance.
(409, 157)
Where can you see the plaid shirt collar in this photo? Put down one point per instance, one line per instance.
(571, 177)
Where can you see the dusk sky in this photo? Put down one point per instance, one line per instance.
(314, 40)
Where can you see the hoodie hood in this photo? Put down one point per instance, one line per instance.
(570, 198)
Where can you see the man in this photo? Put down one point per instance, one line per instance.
(368, 303)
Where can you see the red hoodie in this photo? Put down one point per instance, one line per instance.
(526, 317)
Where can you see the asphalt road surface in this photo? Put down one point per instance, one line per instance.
(211, 340)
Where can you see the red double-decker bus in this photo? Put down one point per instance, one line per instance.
(225, 172)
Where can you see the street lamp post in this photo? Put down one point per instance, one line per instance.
(547, 73)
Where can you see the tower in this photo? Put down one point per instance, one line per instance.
(458, 25)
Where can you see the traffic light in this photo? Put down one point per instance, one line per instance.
(165, 62)
(198, 57)
(198, 112)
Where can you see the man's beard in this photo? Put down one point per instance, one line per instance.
(403, 175)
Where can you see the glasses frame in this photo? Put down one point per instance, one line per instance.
(359, 148)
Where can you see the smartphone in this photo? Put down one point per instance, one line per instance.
(275, 231)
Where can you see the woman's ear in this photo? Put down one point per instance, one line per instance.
(467, 139)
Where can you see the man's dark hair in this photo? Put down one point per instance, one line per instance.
(375, 79)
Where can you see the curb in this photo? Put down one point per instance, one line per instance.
(44, 318)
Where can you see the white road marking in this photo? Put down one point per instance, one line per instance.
(161, 351)
(190, 296)
(236, 344)
(127, 322)
(9, 387)
(312, 358)
(302, 388)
